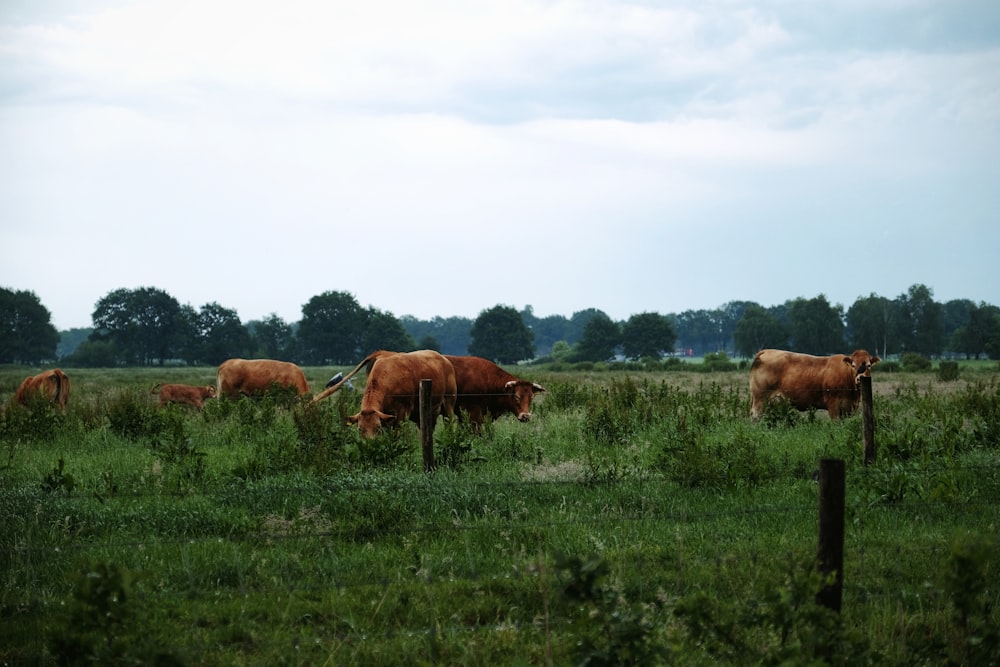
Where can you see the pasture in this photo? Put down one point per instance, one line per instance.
(639, 518)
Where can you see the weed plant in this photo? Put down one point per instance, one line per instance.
(639, 518)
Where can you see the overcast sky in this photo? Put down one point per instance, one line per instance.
(440, 158)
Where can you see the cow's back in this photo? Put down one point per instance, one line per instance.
(53, 385)
(250, 376)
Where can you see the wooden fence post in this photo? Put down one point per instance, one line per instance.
(426, 425)
(867, 419)
(831, 531)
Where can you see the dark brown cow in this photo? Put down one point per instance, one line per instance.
(393, 388)
(806, 381)
(183, 394)
(486, 389)
(246, 377)
(53, 385)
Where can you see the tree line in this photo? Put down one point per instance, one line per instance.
(148, 326)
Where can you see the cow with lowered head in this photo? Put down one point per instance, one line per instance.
(806, 381)
(246, 377)
(392, 390)
(485, 389)
(52, 385)
(183, 394)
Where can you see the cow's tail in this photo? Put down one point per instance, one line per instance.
(365, 364)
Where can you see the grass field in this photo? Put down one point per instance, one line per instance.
(639, 518)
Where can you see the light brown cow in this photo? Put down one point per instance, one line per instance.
(246, 377)
(53, 385)
(183, 394)
(393, 388)
(486, 389)
(807, 381)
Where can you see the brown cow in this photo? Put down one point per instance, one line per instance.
(486, 389)
(183, 394)
(393, 388)
(806, 381)
(246, 377)
(53, 385)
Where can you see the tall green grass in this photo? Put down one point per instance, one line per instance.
(638, 518)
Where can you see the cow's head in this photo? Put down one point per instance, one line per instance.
(370, 421)
(521, 392)
(208, 391)
(862, 363)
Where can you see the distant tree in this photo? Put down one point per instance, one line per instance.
(578, 323)
(451, 333)
(331, 329)
(499, 334)
(142, 323)
(429, 343)
(871, 324)
(729, 316)
(974, 339)
(700, 330)
(816, 327)
(27, 335)
(921, 321)
(272, 338)
(70, 339)
(547, 329)
(383, 331)
(94, 354)
(647, 335)
(221, 335)
(757, 330)
(601, 340)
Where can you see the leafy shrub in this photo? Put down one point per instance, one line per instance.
(717, 362)
(133, 416)
(913, 362)
(948, 371)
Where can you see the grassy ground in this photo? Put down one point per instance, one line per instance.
(639, 518)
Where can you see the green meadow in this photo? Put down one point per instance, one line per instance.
(639, 518)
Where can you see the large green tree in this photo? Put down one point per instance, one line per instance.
(220, 335)
(871, 324)
(758, 329)
(27, 335)
(142, 323)
(647, 335)
(331, 329)
(976, 337)
(921, 321)
(601, 339)
(499, 334)
(384, 331)
(815, 326)
(272, 337)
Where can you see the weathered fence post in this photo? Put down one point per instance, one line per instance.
(867, 419)
(426, 425)
(831, 531)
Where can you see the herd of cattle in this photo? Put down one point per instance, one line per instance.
(477, 388)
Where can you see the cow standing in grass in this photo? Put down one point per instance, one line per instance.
(806, 381)
(52, 385)
(183, 394)
(392, 390)
(485, 389)
(246, 377)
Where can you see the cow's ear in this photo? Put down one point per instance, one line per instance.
(874, 361)
(510, 385)
(387, 418)
(849, 362)
(537, 388)
(353, 419)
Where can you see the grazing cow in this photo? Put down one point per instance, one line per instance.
(246, 377)
(393, 388)
(183, 394)
(806, 381)
(53, 385)
(486, 389)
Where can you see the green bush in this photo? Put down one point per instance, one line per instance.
(913, 362)
(948, 371)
